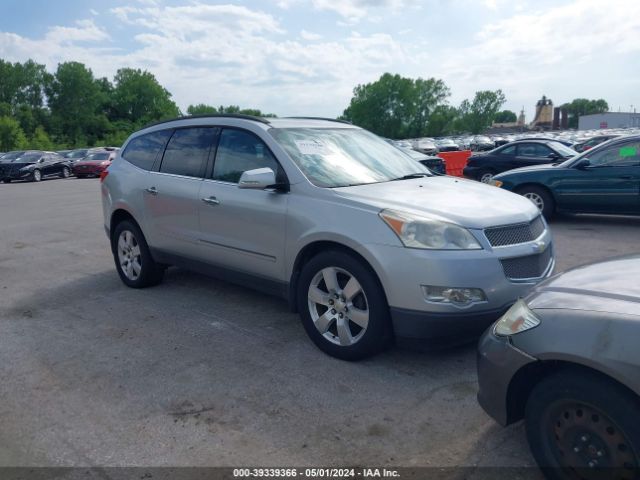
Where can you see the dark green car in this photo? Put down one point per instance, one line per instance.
(605, 179)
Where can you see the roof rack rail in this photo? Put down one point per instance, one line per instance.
(211, 115)
(322, 118)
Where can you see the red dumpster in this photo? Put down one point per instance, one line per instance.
(455, 161)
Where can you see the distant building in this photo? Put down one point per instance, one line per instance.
(609, 120)
(544, 114)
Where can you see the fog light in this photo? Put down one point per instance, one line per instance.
(453, 295)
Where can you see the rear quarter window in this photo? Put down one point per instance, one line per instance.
(143, 150)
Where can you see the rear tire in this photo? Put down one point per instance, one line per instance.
(134, 263)
(541, 198)
(343, 306)
(6, 180)
(582, 425)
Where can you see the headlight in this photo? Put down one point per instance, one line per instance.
(495, 183)
(105, 163)
(28, 167)
(518, 318)
(419, 232)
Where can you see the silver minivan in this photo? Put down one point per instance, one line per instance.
(360, 238)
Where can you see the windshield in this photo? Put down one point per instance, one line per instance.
(29, 157)
(11, 156)
(98, 156)
(344, 157)
(564, 150)
(77, 154)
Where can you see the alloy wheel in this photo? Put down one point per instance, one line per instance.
(338, 306)
(486, 177)
(37, 176)
(535, 199)
(129, 255)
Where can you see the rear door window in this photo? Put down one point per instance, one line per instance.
(143, 150)
(187, 151)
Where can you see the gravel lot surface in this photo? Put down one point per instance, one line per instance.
(199, 372)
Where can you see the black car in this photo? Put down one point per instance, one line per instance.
(33, 165)
(484, 166)
(433, 163)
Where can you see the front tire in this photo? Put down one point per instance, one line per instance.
(343, 306)
(486, 176)
(582, 425)
(134, 263)
(541, 198)
(36, 176)
(6, 180)
(66, 173)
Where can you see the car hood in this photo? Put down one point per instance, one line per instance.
(450, 199)
(608, 286)
(17, 164)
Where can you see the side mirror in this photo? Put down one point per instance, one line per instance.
(583, 164)
(257, 179)
(41, 160)
(553, 156)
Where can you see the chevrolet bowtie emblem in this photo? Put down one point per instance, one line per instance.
(539, 247)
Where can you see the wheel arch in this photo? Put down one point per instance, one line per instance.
(541, 186)
(119, 215)
(525, 379)
(312, 249)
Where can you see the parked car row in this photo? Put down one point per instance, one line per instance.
(36, 165)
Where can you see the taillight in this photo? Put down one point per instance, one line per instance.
(104, 174)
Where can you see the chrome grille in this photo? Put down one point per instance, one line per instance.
(516, 233)
(531, 266)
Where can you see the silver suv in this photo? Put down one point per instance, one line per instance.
(360, 238)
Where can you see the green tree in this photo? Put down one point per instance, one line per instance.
(75, 100)
(441, 121)
(395, 106)
(11, 135)
(40, 140)
(203, 109)
(584, 106)
(478, 115)
(505, 116)
(139, 98)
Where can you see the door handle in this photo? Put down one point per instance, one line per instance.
(211, 201)
(151, 190)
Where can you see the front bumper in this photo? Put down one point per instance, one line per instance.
(420, 329)
(498, 362)
(404, 271)
(87, 170)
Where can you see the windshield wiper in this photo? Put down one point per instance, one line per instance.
(410, 176)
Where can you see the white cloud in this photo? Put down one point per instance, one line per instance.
(556, 50)
(305, 35)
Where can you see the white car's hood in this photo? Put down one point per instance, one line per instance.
(456, 200)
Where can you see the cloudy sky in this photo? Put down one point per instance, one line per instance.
(303, 57)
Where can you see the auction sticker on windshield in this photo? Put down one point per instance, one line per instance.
(311, 147)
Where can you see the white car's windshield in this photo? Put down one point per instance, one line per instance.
(345, 156)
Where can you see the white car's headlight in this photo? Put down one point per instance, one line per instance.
(518, 318)
(420, 232)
